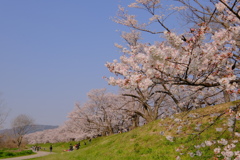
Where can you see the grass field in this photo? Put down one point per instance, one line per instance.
(161, 140)
(7, 153)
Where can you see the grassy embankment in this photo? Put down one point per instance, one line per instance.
(15, 152)
(149, 141)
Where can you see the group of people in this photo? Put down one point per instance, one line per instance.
(72, 147)
(36, 148)
(76, 146)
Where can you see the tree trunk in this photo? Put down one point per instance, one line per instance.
(135, 121)
(19, 141)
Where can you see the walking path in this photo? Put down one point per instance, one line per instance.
(39, 154)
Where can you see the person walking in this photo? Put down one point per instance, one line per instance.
(50, 148)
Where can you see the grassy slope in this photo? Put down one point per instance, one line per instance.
(146, 142)
(9, 153)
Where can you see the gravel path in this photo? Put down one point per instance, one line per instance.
(39, 154)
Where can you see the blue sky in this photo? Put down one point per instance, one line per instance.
(52, 52)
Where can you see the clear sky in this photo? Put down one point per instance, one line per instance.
(52, 52)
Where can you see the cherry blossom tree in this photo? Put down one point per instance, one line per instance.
(199, 60)
(202, 63)
(100, 114)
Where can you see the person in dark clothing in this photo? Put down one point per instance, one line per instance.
(71, 147)
(50, 148)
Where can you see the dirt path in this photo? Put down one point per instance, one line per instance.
(39, 154)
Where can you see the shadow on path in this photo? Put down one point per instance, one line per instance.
(39, 154)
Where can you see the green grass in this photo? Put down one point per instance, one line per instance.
(146, 142)
(7, 153)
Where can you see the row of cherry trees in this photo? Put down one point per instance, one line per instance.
(60, 134)
(103, 114)
(181, 70)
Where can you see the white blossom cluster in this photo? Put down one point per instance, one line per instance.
(224, 149)
(170, 138)
(198, 127)
(219, 129)
(193, 115)
(227, 150)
